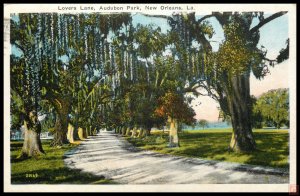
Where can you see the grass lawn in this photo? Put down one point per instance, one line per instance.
(48, 169)
(273, 146)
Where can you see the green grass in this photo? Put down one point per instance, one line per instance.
(273, 147)
(49, 168)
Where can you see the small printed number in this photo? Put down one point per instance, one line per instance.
(32, 175)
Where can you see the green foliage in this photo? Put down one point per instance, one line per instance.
(236, 53)
(203, 123)
(59, 61)
(173, 105)
(207, 29)
(17, 111)
(256, 116)
(48, 123)
(284, 53)
(274, 105)
(150, 40)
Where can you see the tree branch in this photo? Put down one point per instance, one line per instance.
(222, 18)
(19, 46)
(203, 18)
(202, 39)
(270, 60)
(265, 21)
(157, 16)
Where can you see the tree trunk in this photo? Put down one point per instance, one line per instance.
(81, 133)
(84, 133)
(90, 130)
(128, 132)
(179, 129)
(134, 132)
(75, 134)
(70, 135)
(173, 133)
(124, 130)
(32, 145)
(239, 104)
(61, 124)
(148, 131)
(60, 131)
(87, 131)
(141, 133)
(120, 130)
(94, 131)
(117, 130)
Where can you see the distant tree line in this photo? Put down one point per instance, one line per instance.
(271, 109)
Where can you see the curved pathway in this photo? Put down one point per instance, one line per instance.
(109, 155)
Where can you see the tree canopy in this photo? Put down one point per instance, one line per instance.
(203, 123)
(99, 70)
(274, 106)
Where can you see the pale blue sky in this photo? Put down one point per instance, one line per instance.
(273, 34)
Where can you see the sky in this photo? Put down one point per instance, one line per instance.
(273, 37)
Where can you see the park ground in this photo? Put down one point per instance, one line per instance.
(48, 169)
(272, 145)
(90, 162)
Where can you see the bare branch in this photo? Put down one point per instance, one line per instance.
(157, 16)
(270, 60)
(193, 88)
(265, 21)
(222, 17)
(204, 18)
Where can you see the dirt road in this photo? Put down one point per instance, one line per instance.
(111, 156)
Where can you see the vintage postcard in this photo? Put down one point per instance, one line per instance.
(150, 98)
